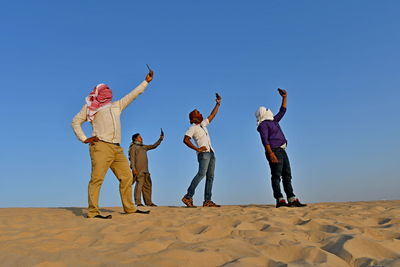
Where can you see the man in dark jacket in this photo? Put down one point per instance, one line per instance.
(140, 168)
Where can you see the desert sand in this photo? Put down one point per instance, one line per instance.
(322, 234)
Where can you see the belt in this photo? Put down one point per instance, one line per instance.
(281, 147)
(116, 144)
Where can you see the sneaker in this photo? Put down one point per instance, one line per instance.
(152, 205)
(140, 205)
(296, 203)
(188, 202)
(281, 203)
(209, 203)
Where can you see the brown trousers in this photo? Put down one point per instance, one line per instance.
(105, 156)
(143, 187)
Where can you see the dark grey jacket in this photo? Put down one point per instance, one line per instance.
(138, 156)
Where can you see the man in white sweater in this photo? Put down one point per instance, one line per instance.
(104, 145)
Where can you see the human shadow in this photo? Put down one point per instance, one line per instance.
(76, 211)
(262, 206)
(81, 212)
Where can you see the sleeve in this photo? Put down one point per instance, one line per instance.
(132, 157)
(263, 130)
(153, 146)
(280, 114)
(126, 100)
(205, 123)
(190, 131)
(77, 122)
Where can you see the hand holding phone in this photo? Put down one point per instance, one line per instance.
(162, 135)
(149, 76)
(282, 92)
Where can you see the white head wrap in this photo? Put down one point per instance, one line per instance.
(98, 99)
(263, 114)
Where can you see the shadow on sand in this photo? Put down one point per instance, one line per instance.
(81, 212)
(262, 206)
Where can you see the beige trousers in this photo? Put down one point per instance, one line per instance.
(105, 156)
(143, 186)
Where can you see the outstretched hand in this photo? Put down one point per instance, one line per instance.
(149, 76)
(218, 98)
(162, 135)
(282, 92)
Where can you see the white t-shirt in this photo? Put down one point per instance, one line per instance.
(200, 134)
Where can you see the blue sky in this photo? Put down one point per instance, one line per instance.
(338, 60)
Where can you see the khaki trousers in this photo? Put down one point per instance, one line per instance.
(143, 186)
(105, 156)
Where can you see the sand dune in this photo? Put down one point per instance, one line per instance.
(323, 234)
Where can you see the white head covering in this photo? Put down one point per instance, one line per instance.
(98, 99)
(263, 114)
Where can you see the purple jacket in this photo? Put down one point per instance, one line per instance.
(270, 131)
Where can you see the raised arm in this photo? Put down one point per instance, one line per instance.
(282, 110)
(156, 144)
(283, 93)
(215, 109)
(126, 100)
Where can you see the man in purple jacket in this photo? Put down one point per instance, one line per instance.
(275, 143)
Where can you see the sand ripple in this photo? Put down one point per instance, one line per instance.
(355, 234)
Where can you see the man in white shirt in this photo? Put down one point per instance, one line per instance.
(205, 155)
(104, 145)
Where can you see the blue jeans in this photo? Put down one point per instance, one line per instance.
(206, 168)
(278, 170)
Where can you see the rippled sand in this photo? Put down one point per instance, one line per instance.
(323, 234)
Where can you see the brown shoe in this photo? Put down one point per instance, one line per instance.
(209, 203)
(188, 202)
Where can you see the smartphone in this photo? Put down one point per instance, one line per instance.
(148, 67)
(281, 91)
(162, 132)
(217, 96)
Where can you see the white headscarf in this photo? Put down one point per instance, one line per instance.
(263, 114)
(98, 99)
